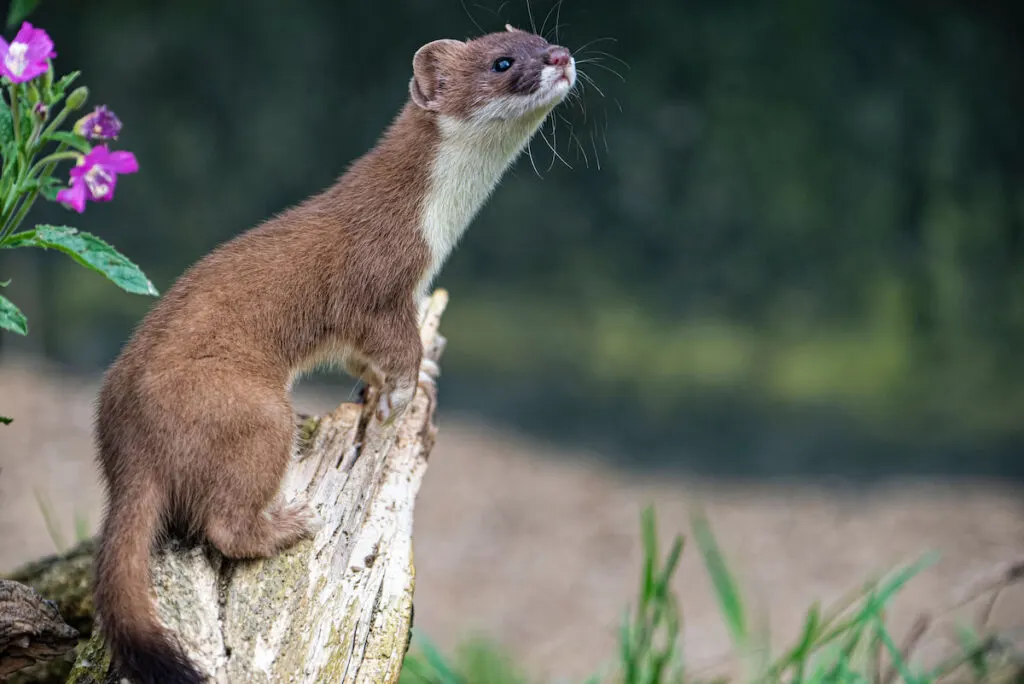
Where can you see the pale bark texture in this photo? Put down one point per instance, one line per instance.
(334, 609)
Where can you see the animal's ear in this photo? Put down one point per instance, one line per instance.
(429, 66)
(512, 29)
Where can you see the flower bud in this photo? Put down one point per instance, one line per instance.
(77, 98)
(48, 79)
(101, 124)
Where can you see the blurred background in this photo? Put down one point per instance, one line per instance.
(774, 262)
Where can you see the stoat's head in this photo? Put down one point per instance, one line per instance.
(500, 76)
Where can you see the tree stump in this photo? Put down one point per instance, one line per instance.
(337, 608)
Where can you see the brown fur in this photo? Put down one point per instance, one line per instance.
(194, 424)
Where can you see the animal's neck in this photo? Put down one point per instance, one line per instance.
(471, 158)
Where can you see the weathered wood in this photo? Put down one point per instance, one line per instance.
(65, 579)
(337, 608)
(31, 629)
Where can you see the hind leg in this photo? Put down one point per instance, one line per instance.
(246, 517)
(261, 534)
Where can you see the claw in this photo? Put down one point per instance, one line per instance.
(428, 435)
(384, 408)
(430, 368)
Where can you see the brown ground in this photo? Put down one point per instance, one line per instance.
(541, 553)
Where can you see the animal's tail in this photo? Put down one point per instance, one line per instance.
(143, 651)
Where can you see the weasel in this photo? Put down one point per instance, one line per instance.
(194, 425)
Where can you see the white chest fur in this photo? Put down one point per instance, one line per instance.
(471, 159)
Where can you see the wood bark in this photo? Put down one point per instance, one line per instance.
(337, 608)
(31, 629)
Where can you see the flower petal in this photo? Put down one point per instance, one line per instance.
(122, 162)
(31, 71)
(73, 197)
(40, 46)
(25, 33)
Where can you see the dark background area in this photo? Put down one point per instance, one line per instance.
(790, 243)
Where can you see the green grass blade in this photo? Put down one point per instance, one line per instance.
(726, 589)
(894, 652)
(797, 657)
(662, 583)
(50, 520)
(81, 527)
(443, 671)
(627, 659)
(650, 542)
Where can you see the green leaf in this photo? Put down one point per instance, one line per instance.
(19, 10)
(5, 420)
(71, 140)
(61, 86)
(90, 251)
(41, 184)
(11, 317)
(50, 191)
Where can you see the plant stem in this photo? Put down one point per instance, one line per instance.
(8, 221)
(57, 121)
(16, 118)
(55, 157)
(15, 220)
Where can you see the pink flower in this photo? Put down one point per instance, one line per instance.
(26, 56)
(95, 177)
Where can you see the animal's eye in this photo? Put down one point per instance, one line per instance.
(502, 64)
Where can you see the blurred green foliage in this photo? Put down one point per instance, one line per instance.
(850, 641)
(779, 206)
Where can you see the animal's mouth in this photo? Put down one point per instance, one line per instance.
(564, 79)
(568, 74)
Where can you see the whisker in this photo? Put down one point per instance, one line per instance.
(594, 42)
(597, 158)
(583, 103)
(599, 65)
(529, 11)
(579, 145)
(558, 20)
(575, 138)
(471, 17)
(548, 16)
(529, 153)
(554, 138)
(555, 29)
(551, 146)
(609, 55)
(579, 99)
(491, 10)
(586, 77)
